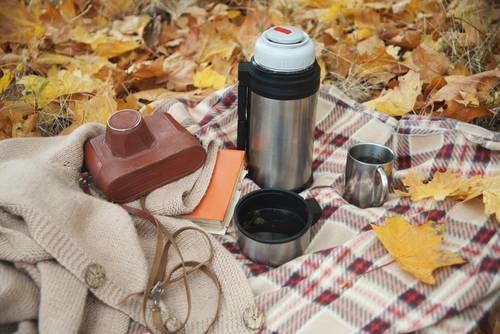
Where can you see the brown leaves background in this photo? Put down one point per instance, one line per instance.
(66, 62)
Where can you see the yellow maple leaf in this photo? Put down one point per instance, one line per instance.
(208, 78)
(417, 249)
(470, 188)
(442, 185)
(400, 100)
(491, 195)
(5, 79)
(58, 83)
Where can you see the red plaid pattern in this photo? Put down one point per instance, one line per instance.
(412, 297)
(344, 283)
(294, 279)
(490, 265)
(359, 266)
(484, 235)
(377, 326)
(326, 297)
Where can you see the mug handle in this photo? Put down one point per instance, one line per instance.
(314, 209)
(385, 185)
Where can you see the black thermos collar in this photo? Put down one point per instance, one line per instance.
(284, 86)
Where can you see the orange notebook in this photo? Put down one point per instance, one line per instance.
(216, 207)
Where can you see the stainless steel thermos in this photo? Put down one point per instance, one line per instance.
(277, 95)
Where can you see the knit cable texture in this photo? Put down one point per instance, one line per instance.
(51, 232)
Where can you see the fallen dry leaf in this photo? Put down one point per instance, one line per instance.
(449, 185)
(247, 33)
(435, 84)
(116, 8)
(378, 68)
(87, 64)
(130, 102)
(467, 84)
(430, 63)
(103, 45)
(468, 99)
(417, 249)
(18, 120)
(96, 109)
(5, 79)
(366, 18)
(208, 78)
(461, 112)
(491, 195)
(393, 51)
(370, 46)
(150, 95)
(363, 33)
(218, 48)
(17, 24)
(5, 126)
(58, 83)
(181, 72)
(475, 15)
(67, 9)
(470, 188)
(400, 100)
(408, 39)
(49, 58)
(147, 69)
(131, 25)
(443, 185)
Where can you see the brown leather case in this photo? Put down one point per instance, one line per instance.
(137, 155)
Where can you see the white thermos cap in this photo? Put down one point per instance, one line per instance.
(284, 49)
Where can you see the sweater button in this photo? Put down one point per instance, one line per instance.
(253, 318)
(173, 325)
(94, 276)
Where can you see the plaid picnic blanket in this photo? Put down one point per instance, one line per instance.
(331, 288)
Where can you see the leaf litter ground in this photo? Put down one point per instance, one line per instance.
(67, 62)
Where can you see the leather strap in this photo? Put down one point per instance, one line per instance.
(159, 279)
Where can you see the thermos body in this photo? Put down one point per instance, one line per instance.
(277, 97)
(280, 136)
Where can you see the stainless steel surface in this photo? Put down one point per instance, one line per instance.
(281, 135)
(273, 254)
(368, 184)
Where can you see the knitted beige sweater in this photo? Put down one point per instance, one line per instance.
(51, 233)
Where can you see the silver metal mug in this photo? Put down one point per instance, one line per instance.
(368, 174)
(273, 226)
